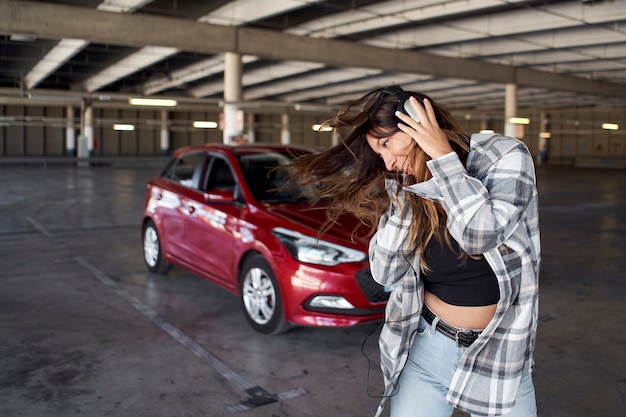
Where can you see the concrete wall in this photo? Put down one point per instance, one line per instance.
(32, 131)
(35, 131)
(577, 136)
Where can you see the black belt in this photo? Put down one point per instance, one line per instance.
(463, 337)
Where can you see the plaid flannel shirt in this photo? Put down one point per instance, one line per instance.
(492, 210)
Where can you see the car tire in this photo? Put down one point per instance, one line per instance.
(260, 297)
(152, 253)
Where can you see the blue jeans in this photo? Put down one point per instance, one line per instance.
(424, 382)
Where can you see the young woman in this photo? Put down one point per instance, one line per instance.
(456, 243)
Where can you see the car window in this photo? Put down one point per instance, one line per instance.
(186, 170)
(220, 176)
(266, 183)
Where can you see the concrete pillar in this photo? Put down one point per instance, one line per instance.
(85, 132)
(484, 123)
(89, 129)
(165, 133)
(510, 108)
(544, 139)
(285, 134)
(232, 95)
(70, 132)
(335, 139)
(250, 136)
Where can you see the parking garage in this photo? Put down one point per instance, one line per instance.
(87, 330)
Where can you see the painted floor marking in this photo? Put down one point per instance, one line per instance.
(257, 395)
(39, 227)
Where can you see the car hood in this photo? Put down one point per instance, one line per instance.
(310, 218)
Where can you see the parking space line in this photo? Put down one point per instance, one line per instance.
(38, 226)
(257, 395)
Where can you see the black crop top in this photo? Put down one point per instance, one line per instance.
(460, 281)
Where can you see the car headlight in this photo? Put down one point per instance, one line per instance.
(314, 251)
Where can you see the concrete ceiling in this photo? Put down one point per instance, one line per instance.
(560, 53)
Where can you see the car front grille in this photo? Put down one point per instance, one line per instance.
(373, 291)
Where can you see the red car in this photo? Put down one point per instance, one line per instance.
(218, 211)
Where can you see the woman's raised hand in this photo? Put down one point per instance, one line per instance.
(426, 133)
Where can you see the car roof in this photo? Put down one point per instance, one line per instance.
(250, 148)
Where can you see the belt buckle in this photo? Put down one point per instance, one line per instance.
(465, 337)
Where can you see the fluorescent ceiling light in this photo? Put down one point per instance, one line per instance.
(545, 135)
(519, 120)
(318, 128)
(122, 126)
(204, 124)
(487, 131)
(610, 126)
(152, 102)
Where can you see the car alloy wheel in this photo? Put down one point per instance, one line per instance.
(260, 296)
(152, 253)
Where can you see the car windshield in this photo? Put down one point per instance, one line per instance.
(266, 184)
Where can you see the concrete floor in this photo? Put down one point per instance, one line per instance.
(85, 330)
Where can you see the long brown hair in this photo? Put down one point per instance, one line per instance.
(352, 175)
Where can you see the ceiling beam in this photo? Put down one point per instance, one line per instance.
(54, 21)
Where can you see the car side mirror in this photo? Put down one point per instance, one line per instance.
(219, 196)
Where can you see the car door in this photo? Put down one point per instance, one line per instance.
(170, 196)
(213, 226)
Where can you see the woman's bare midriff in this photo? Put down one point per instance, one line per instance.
(459, 316)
